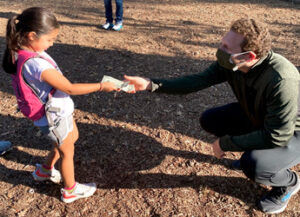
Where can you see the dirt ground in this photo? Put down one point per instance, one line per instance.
(146, 152)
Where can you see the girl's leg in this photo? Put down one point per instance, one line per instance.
(46, 171)
(66, 151)
(72, 190)
(52, 157)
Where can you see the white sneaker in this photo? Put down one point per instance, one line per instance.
(107, 26)
(80, 191)
(53, 175)
(117, 27)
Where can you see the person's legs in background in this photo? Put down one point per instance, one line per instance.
(108, 11)
(119, 16)
(108, 14)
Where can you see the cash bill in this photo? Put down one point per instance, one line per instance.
(122, 85)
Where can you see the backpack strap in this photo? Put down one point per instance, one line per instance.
(23, 57)
(53, 64)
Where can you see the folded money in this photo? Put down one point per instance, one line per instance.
(124, 86)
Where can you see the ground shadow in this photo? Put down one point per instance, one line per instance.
(22, 133)
(114, 157)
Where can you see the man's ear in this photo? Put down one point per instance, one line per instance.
(32, 36)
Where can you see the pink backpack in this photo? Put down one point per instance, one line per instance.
(28, 100)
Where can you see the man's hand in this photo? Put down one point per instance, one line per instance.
(139, 83)
(218, 152)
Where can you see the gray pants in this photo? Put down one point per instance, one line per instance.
(272, 166)
(267, 166)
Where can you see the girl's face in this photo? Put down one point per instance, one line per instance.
(43, 42)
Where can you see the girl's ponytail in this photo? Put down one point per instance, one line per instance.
(12, 44)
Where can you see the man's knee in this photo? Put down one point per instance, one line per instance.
(255, 168)
(210, 123)
(206, 121)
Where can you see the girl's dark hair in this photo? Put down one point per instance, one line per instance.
(35, 19)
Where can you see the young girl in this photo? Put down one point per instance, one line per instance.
(35, 31)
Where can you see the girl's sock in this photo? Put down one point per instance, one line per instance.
(71, 189)
(46, 169)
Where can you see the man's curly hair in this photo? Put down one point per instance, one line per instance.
(256, 36)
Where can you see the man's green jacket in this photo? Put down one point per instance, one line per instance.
(268, 93)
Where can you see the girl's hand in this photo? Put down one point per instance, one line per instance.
(139, 83)
(108, 87)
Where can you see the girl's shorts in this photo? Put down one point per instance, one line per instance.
(59, 132)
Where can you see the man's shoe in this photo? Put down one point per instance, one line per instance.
(107, 26)
(52, 175)
(5, 146)
(80, 191)
(277, 199)
(117, 27)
